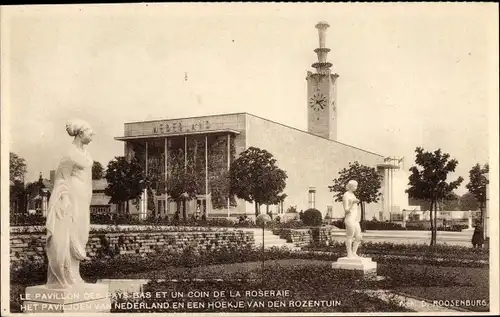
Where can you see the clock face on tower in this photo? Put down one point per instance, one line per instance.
(317, 101)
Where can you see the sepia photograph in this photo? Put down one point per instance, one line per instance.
(249, 159)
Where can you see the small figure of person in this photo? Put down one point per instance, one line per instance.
(198, 212)
(477, 236)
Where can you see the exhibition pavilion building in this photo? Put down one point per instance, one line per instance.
(209, 144)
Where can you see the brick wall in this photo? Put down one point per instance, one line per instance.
(30, 246)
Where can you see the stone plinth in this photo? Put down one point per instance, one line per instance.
(366, 265)
(124, 285)
(83, 298)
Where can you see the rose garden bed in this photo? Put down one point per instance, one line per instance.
(408, 268)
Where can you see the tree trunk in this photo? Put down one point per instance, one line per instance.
(481, 220)
(363, 227)
(256, 209)
(481, 215)
(184, 209)
(177, 209)
(433, 241)
(128, 208)
(435, 222)
(195, 154)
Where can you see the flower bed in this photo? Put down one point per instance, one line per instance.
(397, 259)
(158, 222)
(122, 228)
(121, 265)
(446, 255)
(336, 290)
(303, 290)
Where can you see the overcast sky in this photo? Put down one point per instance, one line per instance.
(410, 74)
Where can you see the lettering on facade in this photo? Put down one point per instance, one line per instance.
(180, 126)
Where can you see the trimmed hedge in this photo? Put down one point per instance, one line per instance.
(422, 251)
(312, 217)
(380, 225)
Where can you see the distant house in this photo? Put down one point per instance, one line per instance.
(100, 204)
(38, 195)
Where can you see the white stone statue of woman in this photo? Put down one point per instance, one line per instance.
(351, 220)
(68, 216)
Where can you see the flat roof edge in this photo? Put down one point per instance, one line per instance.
(255, 116)
(163, 135)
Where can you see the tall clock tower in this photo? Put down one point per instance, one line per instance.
(322, 92)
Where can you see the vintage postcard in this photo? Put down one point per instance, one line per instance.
(249, 159)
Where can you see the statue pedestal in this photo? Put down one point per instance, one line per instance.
(83, 298)
(366, 265)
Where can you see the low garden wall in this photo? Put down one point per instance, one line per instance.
(27, 243)
(303, 237)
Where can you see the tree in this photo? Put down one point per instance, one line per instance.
(424, 204)
(17, 170)
(451, 203)
(369, 184)
(255, 177)
(97, 170)
(182, 182)
(17, 198)
(276, 200)
(468, 202)
(17, 167)
(428, 181)
(126, 181)
(477, 187)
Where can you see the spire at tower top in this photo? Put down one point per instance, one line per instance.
(322, 66)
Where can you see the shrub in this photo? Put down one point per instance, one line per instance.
(26, 219)
(377, 225)
(339, 224)
(293, 224)
(312, 217)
